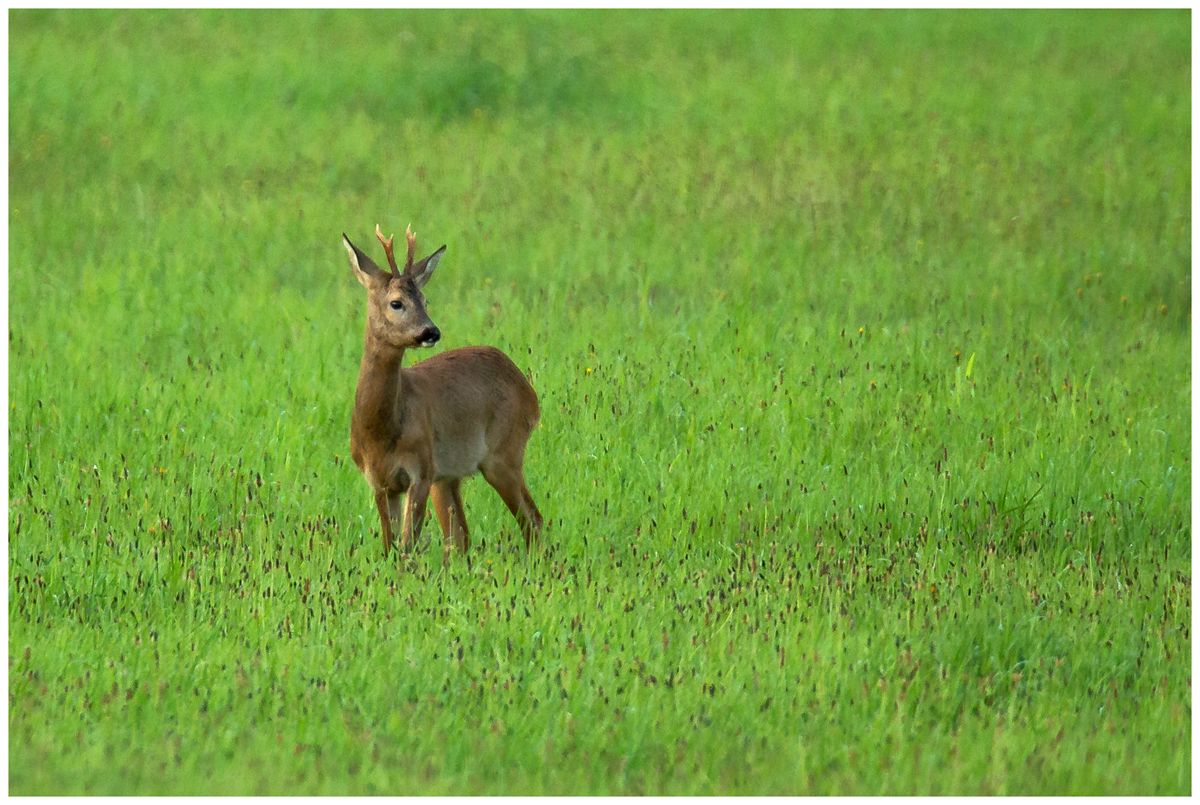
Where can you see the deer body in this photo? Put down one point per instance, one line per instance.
(419, 431)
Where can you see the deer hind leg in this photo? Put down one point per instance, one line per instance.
(447, 502)
(510, 483)
(441, 504)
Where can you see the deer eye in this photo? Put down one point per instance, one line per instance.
(397, 304)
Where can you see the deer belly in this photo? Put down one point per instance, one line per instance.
(459, 458)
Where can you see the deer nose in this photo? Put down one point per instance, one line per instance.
(430, 337)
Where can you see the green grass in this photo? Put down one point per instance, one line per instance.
(862, 343)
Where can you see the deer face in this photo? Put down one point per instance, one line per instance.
(396, 312)
(399, 316)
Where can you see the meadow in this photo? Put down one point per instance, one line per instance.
(862, 342)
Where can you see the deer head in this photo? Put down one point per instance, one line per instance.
(395, 305)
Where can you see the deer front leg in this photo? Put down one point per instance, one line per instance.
(415, 500)
(385, 519)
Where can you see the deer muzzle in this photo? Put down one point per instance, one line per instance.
(429, 337)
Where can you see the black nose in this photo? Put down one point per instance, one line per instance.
(431, 336)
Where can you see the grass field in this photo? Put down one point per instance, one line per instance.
(862, 344)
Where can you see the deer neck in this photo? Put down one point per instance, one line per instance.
(380, 390)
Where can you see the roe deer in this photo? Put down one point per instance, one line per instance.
(420, 431)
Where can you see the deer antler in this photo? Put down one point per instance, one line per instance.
(387, 248)
(412, 247)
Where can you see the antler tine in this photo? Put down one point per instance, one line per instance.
(412, 247)
(387, 248)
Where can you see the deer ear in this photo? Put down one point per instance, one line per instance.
(369, 275)
(422, 270)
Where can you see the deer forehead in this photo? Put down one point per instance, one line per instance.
(403, 288)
